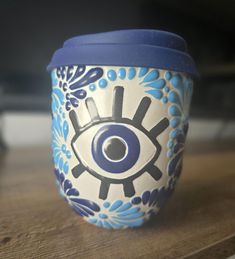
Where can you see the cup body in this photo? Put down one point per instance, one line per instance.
(118, 139)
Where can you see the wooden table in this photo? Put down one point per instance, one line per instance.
(198, 222)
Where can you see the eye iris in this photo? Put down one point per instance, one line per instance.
(115, 149)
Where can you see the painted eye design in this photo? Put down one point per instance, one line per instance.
(117, 150)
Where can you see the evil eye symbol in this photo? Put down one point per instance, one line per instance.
(114, 150)
(117, 150)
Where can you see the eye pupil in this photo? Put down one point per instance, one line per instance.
(115, 149)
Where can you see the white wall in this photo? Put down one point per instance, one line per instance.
(26, 129)
(33, 129)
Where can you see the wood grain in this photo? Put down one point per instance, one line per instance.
(36, 223)
(219, 250)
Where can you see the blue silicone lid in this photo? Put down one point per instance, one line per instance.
(138, 47)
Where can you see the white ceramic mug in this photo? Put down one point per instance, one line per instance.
(118, 139)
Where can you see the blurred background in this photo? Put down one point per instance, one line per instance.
(32, 30)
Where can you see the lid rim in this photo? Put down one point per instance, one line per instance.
(124, 55)
(135, 47)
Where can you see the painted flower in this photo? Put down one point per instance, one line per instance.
(153, 200)
(58, 99)
(174, 167)
(183, 87)
(154, 84)
(83, 207)
(118, 215)
(180, 97)
(61, 154)
(72, 79)
(177, 90)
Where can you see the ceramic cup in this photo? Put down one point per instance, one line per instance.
(120, 103)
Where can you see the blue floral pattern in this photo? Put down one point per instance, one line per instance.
(60, 128)
(180, 98)
(83, 207)
(61, 154)
(72, 80)
(118, 215)
(153, 200)
(149, 78)
(174, 169)
(58, 98)
(154, 83)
